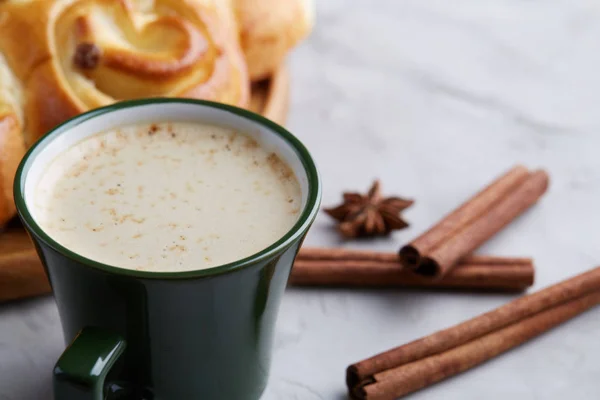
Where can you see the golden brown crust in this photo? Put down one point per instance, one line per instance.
(169, 48)
(23, 39)
(12, 146)
(188, 52)
(269, 29)
(45, 106)
(12, 150)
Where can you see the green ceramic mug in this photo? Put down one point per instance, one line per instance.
(204, 334)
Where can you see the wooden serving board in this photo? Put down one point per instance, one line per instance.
(21, 273)
(271, 97)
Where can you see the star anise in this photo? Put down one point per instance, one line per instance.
(369, 215)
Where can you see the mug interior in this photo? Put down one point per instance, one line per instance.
(269, 135)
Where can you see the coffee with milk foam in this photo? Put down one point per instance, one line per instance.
(167, 197)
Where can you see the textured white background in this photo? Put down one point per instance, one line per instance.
(435, 97)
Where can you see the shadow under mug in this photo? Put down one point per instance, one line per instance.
(204, 334)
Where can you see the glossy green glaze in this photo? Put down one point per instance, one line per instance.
(80, 372)
(203, 334)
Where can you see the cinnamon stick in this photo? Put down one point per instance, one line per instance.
(467, 212)
(495, 260)
(493, 273)
(397, 382)
(495, 320)
(438, 250)
(336, 253)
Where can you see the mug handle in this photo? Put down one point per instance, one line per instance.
(80, 371)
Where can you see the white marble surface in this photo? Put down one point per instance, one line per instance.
(435, 97)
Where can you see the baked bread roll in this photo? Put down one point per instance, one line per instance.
(75, 55)
(12, 145)
(269, 29)
(59, 58)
